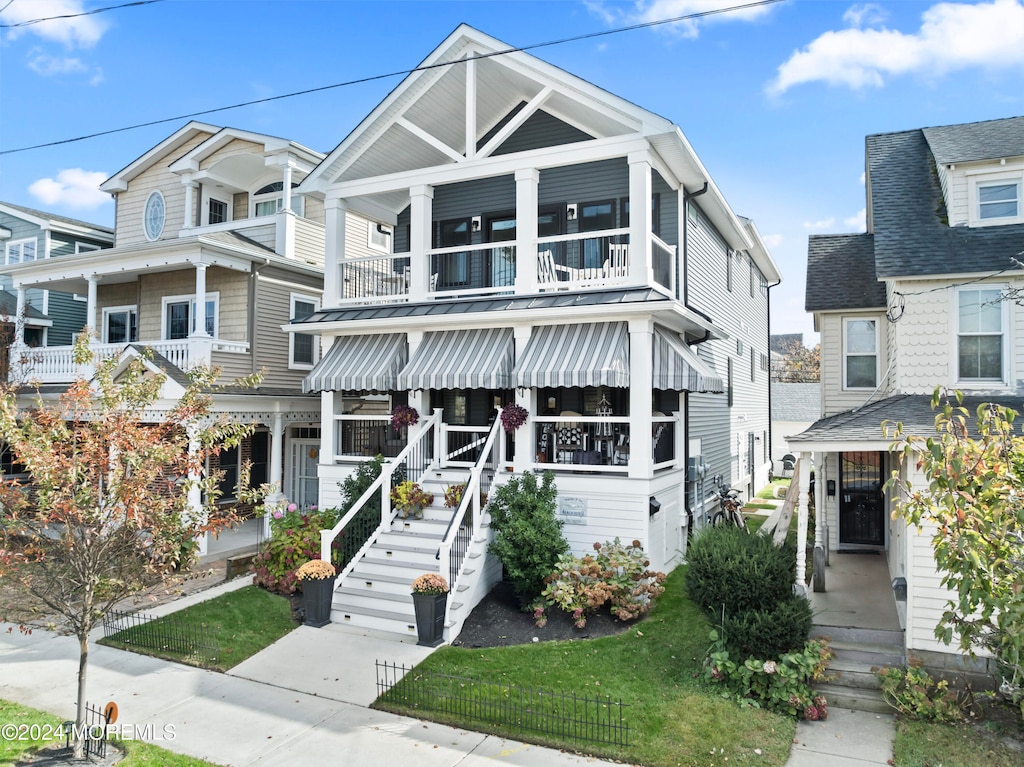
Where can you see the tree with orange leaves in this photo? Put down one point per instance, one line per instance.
(118, 493)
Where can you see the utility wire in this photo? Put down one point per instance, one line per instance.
(372, 78)
(30, 22)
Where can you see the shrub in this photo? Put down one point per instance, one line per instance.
(294, 540)
(770, 632)
(731, 569)
(782, 685)
(616, 574)
(357, 483)
(528, 537)
(911, 691)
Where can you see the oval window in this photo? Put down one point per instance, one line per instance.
(154, 215)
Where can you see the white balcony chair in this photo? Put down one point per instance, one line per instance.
(617, 263)
(548, 270)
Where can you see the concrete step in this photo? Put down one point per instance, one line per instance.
(853, 674)
(388, 621)
(868, 654)
(860, 635)
(856, 699)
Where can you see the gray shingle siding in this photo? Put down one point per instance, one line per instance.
(849, 255)
(989, 140)
(796, 402)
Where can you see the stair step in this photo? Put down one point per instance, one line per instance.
(361, 576)
(861, 635)
(852, 674)
(868, 654)
(380, 596)
(852, 698)
(391, 563)
(404, 548)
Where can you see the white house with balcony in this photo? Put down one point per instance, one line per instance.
(210, 257)
(548, 244)
(927, 300)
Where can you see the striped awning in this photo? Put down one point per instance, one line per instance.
(461, 359)
(359, 363)
(594, 354)
(678, 368)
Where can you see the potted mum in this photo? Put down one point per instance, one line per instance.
(409, 498)
(317, 578)
(453, 495)
(429, 599)
(403, 415)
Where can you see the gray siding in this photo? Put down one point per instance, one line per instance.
(272, 308)
(68, 317)
(540, 130)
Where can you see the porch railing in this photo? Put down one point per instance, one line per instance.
(484, 269)
(463, 444)
(375, 279)
(586, 259)
(598, 443)
(466, 522)
(358, 436)
(410, 464)
(663, 262)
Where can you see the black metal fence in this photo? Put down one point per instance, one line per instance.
(169, 635)
(94, 732)
(566, 716)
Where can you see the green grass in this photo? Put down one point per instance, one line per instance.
(925, 744)
(654, 667)
(137, 753)
(243, 622)
(763, 506)
(768, 491)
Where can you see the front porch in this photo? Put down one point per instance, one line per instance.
(858, 593)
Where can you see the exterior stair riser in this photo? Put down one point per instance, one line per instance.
(853, 698)
(375, 623)
(358, 584)
(395, 567)
(359, 602)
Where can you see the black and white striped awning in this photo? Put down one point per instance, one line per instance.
(678, 368)
(360, 363)
(575, 355)
(461, 359)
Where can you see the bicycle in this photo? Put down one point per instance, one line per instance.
(729, 506)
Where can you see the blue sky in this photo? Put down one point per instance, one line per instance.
(775, 100)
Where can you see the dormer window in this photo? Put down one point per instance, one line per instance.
(994, 196)
(267, 200)
(1000, 200)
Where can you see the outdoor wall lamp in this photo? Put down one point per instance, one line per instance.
(570, 211)
(475, 223)
(655, 506)
(830, 488)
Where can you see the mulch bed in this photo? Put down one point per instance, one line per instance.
(498, 621)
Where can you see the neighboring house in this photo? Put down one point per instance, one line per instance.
(48, 318)
(546, 243)
(211, 257)
(922, 304)
(795, 407)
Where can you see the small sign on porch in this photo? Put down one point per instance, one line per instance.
(572, 511)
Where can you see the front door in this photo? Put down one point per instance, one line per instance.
(503, 258)
(305, 486)
(861, 502)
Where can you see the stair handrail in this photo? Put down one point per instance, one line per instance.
(470, 497)
(382, 485)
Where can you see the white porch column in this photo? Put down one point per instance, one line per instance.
(527, 186)
(335, 209)
(641, 379)
(421, 227)
(640, 268)
(276, 456)
(418, 399)
(19, 318)
(190, 201)
(200, 319)
(195, 512)
(525, 437)
(286, 186)
(90, 302)
(803, 461)
(680, 433)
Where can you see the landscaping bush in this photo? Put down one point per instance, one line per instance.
(294, 540)
(528, 537)
(770, 632)
(913, 693)
(732, 569)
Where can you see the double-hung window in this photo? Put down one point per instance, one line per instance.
(180, 316)
(596, 217)
(120, 325)
(860, 353)
(21, 251)
(302, 346)
(268, 200)
(217, 211)
(999, 200)
(980, 337)
(453, 268)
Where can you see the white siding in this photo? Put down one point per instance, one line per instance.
(309, 242)
(835, 396)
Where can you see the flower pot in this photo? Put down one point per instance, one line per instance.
(430, 610)
(317, 597)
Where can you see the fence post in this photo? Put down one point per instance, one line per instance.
(438, 438)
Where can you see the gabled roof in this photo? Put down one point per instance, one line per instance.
(119, 181)
(989, 140)
(796, 402)
(60, 223)
(851, 255)
(272, 145)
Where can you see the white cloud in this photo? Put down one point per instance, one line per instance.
(655, 10)
(80, 31)
(47, 66)
(73, 187)
(825, 223)
(858, 221)
(952, 36)
(868, 14)
(772, 240)
(97, 76)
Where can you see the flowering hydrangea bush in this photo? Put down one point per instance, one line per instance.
(431, 584)
(294, 540)
(616, 574)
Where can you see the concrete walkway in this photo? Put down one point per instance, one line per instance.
(845, 739)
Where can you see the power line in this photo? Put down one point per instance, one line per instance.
(403, 72)
(72, 15)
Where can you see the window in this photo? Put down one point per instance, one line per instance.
(595, 217)
(120, 325)
(860, 360)
(753, 364)
(217, 211)
(753, 275)
(153, 215)
(728, 270)
(655, 212)
(378, 237)
(302, 346)
(267, 200)
(179, 317)
(980, 334)
(21, 251)
(86, 247)
(230, 459)
(728, 384)
(998, 200)
(9, 464)
(764, 363)
(258, 470)
(453, 268)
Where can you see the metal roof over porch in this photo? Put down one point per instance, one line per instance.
(360, 363)
(461, 359)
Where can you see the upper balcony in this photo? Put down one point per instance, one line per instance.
(571, 262)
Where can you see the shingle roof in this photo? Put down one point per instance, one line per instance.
(989, 140)
(796, 402)
(849, 255)
(911, 231)
(914, 411)
(54, 217)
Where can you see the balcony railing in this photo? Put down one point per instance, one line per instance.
(583, 260)
(359, 436)
(598, 443)
(56, 364)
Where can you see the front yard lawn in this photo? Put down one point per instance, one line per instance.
(927, 744)
(241, 623)
(655, 668)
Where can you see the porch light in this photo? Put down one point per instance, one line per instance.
(655, 506)
(475, 223)
(570, 211)
(899, 588)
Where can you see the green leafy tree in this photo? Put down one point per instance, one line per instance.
(974, 506)
(107, 513)
(527, 535)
